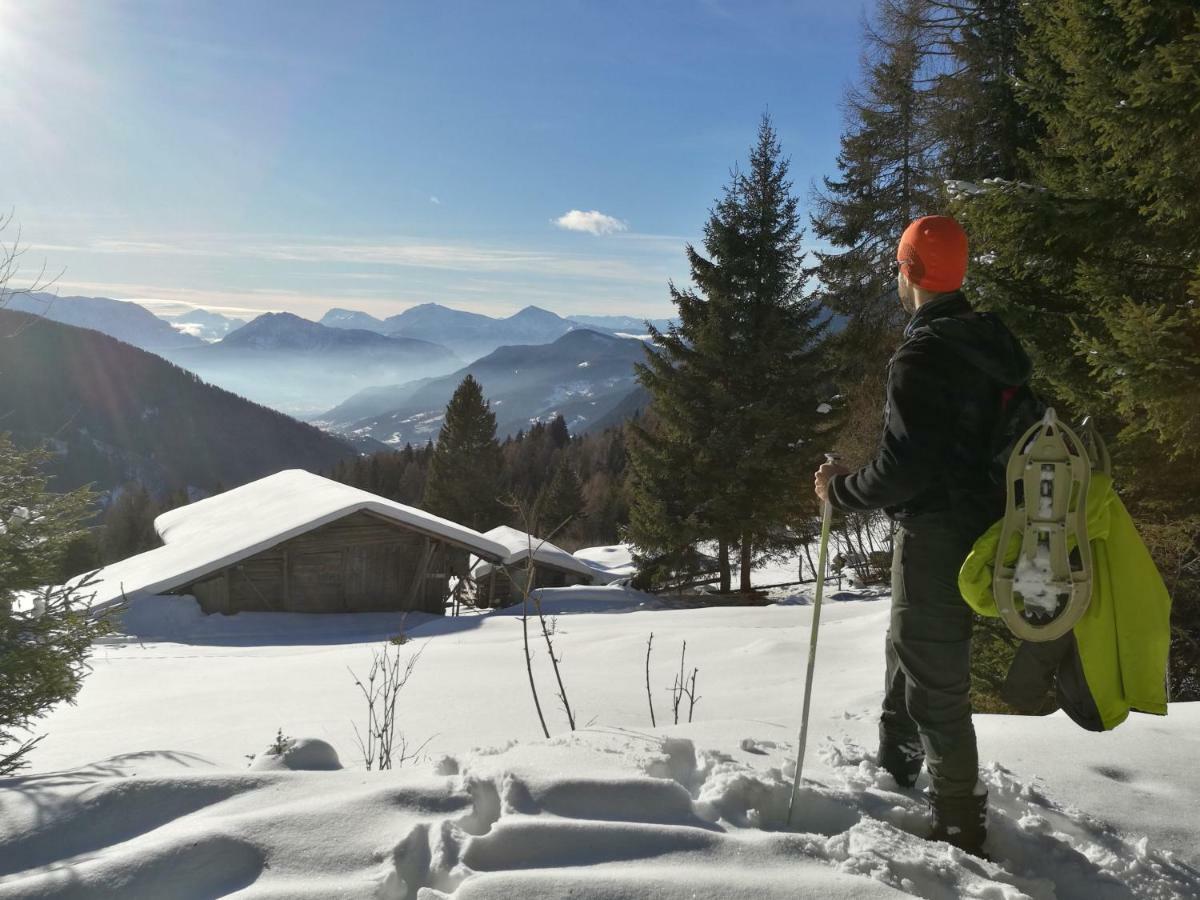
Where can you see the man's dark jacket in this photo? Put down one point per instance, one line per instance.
(944, 389)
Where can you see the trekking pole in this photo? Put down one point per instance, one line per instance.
(826, 518)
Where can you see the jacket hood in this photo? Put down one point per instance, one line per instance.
(979, 338)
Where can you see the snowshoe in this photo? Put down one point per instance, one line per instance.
(1047, 591)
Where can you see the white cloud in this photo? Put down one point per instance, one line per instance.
(394, 252)
(435, 201)
(592, 222)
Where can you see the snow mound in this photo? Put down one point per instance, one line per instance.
(302, 755)
(600, 814)
(180, 619)
(619, 808)
(161, 617)
(586, 599)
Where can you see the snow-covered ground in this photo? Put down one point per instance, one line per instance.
(143, 789)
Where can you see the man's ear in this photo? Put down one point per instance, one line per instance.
(904, 291)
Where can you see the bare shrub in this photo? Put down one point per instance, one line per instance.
(384, 744)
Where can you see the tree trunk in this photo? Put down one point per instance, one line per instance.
(747, 557)
(812, 566)
(723, 562)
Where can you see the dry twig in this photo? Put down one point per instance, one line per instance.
(385, 680)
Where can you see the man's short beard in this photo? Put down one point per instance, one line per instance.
(908, 302)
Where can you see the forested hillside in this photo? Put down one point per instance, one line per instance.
(579, 477)
(582, 376)
(113, 414)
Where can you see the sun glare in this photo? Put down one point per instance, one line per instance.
(48, 88)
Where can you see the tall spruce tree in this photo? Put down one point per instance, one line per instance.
(463, 483)
(560, 504)
(1096, 260)
(978, 126)
(884, 182)
(667, 489)
(736, 383)
(886, 178)
(129, 524)
(46, 633)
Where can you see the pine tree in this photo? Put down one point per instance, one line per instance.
(884, 182)
(980, 129)
(45, 639)
(560, 504)
(1096, 260)
(464, 473)
(1099, 255)
(411, 488)
(558, 433)
(735, 384)
(129, 524)
(665, 495)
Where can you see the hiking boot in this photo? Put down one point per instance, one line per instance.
(961, 821)
(902, 760)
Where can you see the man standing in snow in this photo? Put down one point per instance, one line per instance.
(931, 475)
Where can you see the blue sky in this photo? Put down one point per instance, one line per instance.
(259, 155)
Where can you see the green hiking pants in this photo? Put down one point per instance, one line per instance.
(928, 653)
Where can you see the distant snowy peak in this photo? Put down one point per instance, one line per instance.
(354, 319)
(205, 317)
(204, 324)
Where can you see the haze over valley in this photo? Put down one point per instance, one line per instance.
(388, 380)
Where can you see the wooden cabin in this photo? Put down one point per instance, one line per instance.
(297, 542)
(359, 563)
(504, 584)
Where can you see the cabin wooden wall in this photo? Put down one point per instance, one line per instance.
(359, 563)
(499, 586)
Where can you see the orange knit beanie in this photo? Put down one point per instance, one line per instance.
(933, 254)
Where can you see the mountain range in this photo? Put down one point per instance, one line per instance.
(473, 335)
(357, 366)
(470, 335)
(120, 319)
(302, 367)
(622, 324)
(584, 375)
(114, 413)
(352, 318)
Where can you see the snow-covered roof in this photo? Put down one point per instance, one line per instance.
(544, 553)
(615, 561)
(208, 535)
